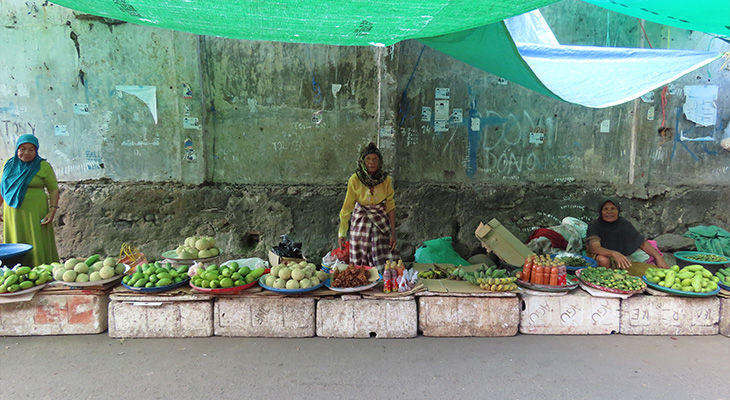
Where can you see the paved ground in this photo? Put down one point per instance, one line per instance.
(520, 367)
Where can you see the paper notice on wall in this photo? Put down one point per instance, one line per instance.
(605, 126)
(148, 94)
(699, 106)
(457, 115)
(425, 113)
(441, 126)
(60, 130)
(441, 110)
(81, 109)
(476, 124)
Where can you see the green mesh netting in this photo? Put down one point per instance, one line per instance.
(710, 16)
(335, 22)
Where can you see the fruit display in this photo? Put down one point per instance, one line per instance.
(541, 270)
(224, 276)
(692, 278)
(92, 269)
(618, 279)
(196, 247)
(436, 272)
(156, 275)
(723, 276)
(498, 284)
(572, 261)
(22, 278)
(479, 276)
(352, 276)
(295, 275)
(714, 258)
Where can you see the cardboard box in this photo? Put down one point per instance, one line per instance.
(503, 243)
(275, 259)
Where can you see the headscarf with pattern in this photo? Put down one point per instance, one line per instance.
(17, 173)
(362, 172)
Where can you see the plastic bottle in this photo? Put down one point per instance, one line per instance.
(387, 278)
(537, 272)
(527, 269)
(554, 272)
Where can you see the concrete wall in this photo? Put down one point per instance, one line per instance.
(270, 154)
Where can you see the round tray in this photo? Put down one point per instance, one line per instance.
(605, 289)
(724, 286)
(171, 255)
(262, 283)
(546, 288)
(223, 290)
(591, 262)
(96, 283)
(184, 282)
(679, 292)
(24, 291)
(682, 255)
(352, 289)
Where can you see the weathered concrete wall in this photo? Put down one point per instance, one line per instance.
(97, 217)
(574, 147)
(54, 59)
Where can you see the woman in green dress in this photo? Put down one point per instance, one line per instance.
(27, 212)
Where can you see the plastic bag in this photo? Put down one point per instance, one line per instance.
(288, 248)
(251, 263)
(439, 251)
(341, 253)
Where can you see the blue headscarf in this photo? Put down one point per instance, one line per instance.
(17, 173)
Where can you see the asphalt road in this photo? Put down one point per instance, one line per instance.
(520, 367)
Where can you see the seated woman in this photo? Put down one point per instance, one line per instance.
(614, 242)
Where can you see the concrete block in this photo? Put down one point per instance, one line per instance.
(468, 316)
(55, 314)
(577, 313)
(670, 315)
(362, 318)
(264, 317)
(725, 317)
(158, 317)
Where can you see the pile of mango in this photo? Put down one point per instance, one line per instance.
(479, 276)
(692, 278)
(22, 278)
(225, 276)
(156, 275)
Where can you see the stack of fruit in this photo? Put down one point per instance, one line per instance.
(156, 275)
(22, 278)
(436, 272)
(196, 247)
(92, 269)
(479, 276)
(498, 284)
(224, 276)
(692, 278)
(617, 279)
(723, 276)
(295, 275)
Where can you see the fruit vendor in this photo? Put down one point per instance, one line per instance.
(614, 242)
(369, 212)
(27, 211)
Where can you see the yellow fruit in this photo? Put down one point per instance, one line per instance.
(81, 268)
(69, 276)
(70, 263)
(82, 278)
(280, 283)
(201, 244)
(270, 280)
(106, 272)
(285, 273)
(297, 274)
(292, 284)
(110, 262)
(314, 281)
(97, 266)
(94, 276)
(305, 283)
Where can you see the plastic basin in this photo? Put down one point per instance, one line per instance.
(683, 261)
(12, 253)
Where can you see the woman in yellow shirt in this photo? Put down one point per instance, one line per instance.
(369, 212)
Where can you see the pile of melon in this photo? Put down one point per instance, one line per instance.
(196, 247)
(91, 269)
